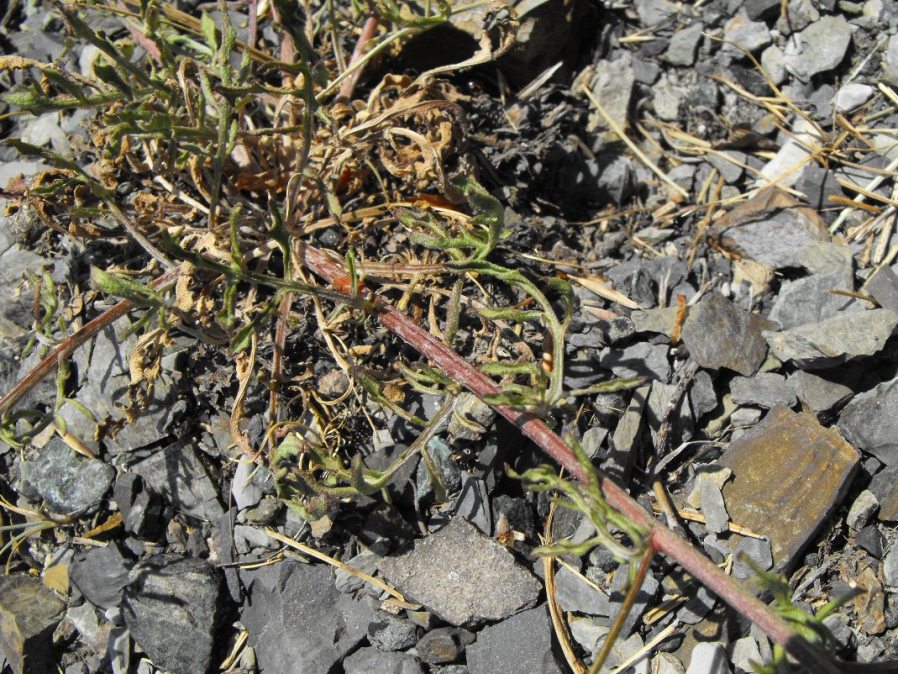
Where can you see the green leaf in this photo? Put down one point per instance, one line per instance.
(210, 32)
(125, 288)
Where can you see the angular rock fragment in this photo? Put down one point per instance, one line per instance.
(834, 340)
(29, 612)
(575, 594)
(810, 300)
(68, 483)
(462, 576)
(883, 487)
(172, 607)
(718, 335)
(766, 390)
(819, 48)
(789, 474)
(100, 574)
(298, 621)
(745, 33)
(639, 360)
(870, 421)
(883, 286)
(523, 643)
(442, 645)
(819, 394)
(177, 474)
(368, 660)
(773, 228)
(683, 44)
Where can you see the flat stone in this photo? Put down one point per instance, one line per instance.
(744, 653)
(773, 60)
(870, 421)
(745, 33)
(659, 320)
(29, 612)
(758, 551)
(883, 286)
(819, 394)
(766, 389)
(100, 574)
(827, 257)
(639, 360)
(683, 44)
(789, 474)
(883, 487)
(178, 475)
(819, 48)
(644, 597)
(718, 335)
(702, 396)
(709, 658)
(575, 594)
(667, 663)
(297, 620)
(833, 340)
(852, 95)
(69, 484)
(890, 567)
(810, 300)
(588, 632)
(623, 649)
(172, 607)
(775, 240)
(863, 508)
(368, 660)
(730, 164)
(713, 508)
(870, 538)
(438, 573)
(523, 643)
(613, 86)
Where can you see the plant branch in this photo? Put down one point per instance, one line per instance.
(660, 538)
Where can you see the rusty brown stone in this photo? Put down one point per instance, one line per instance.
(789, 473)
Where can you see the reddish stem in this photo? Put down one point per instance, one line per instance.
(367, 34)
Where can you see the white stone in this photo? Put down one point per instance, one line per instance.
(852, 95)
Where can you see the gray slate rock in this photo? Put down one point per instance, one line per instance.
(870, 422)
(683, 44)
(755, 549)
(709, 658)
(819, 48)
(392, 633)
(575, 594)
(298, 622)
(639, 360)
(68, 483)
(766, 390)
(438, 573)
(644, 597)
(810, 300)
(29, 612)
(178, 475)
(834, 340)
(522, 643)
(172, 607)
(718, 334)
(748, 34)
(776, 238)
(713, 508)
(369, 660)
(819, 394)
(100, 574)
(883, 286)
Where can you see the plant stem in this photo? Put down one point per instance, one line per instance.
(660, 538)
